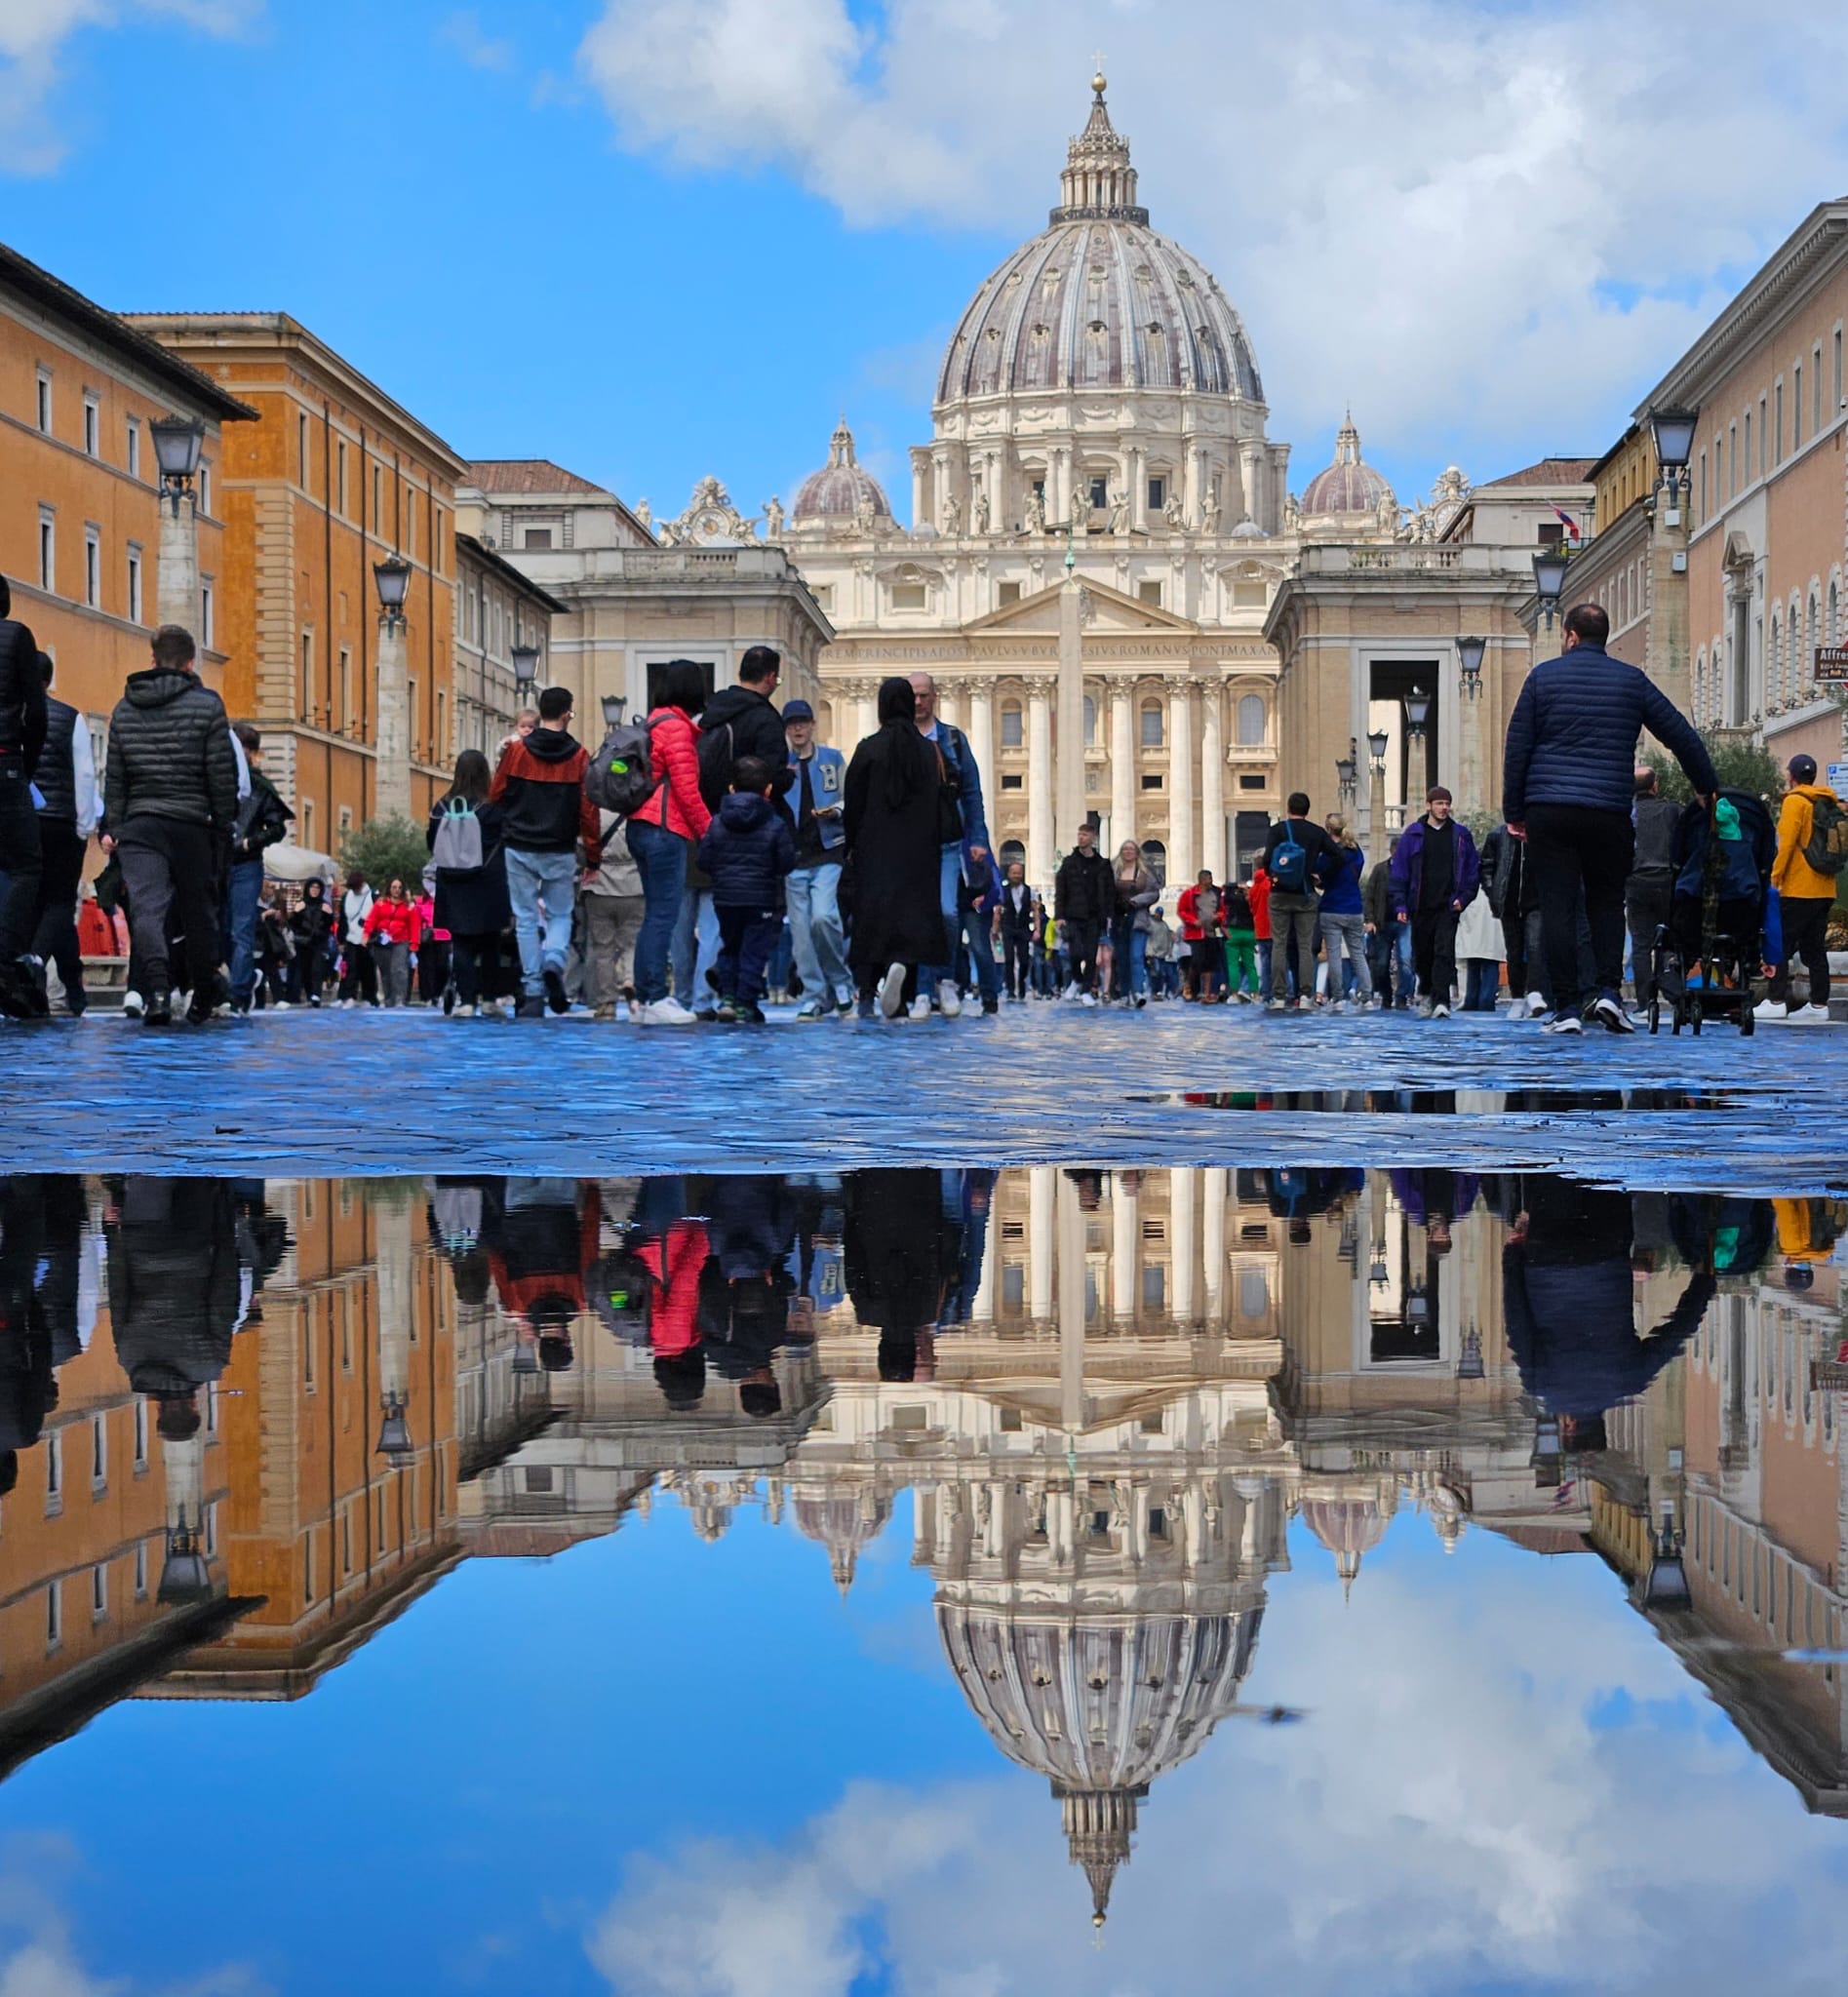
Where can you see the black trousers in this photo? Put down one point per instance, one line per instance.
(1646, 902)
(747, 937)
(21, 859)
(170, 867)
(1575, 850)
(1805, 918)
(1080, 950)
(361, 979)
(55, 937)
(1435, 953)
(1017, 949)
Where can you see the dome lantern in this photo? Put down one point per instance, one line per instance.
(1098, 183)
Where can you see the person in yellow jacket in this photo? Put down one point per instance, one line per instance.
(1811, 824)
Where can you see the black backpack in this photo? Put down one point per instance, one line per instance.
(717, 761)
(1826, 849)
(620, 777)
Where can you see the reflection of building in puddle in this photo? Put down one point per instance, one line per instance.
(338, 1429)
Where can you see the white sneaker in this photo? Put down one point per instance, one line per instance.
(891, 992)
(666, 1013)
(920, 1007)
(948, 1002)
(1337, 1005)
(1809, 1015)
(1070, 989)
(810, 1008)
(1088, 999)
(1440, 1010)
(463, 1012)
(134, 1004)
(1770, 1010)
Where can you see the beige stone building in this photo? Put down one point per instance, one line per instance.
(498, 610)
(707, 589)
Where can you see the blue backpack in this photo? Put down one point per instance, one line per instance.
(1290, 864)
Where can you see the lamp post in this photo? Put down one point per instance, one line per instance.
(1346, 767)
(1674, 431)
(526, 669)
(1549, 568)
(178, 443)
(1666, 1583)
(185, 1574)
(1376, 806)
(1417, 712)
(391, 751)
(1470, 654)
(616, 706)
(393, 1262)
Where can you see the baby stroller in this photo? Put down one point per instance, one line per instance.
(1722, 919)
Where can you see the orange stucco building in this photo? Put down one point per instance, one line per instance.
(79, 486)
(333, 476)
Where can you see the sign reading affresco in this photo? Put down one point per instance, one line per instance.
(1832, 661)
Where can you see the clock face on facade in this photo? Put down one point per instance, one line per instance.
(709, 525)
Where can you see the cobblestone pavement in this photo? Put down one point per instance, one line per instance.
(365, 1092)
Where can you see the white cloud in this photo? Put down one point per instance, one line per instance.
(1478, 222)
(33, 38)
(463, 32)
(1460, 1809)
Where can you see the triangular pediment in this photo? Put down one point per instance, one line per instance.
(1109, 609)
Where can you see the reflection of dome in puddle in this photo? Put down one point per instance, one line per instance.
(1351, 1526)
(844, 1523)
(1098, 1704)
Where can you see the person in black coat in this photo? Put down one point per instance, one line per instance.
(747, 852)
(472, 902)
(901, 1255)
(893, 824)
(21, 738)
(176, 1287)
(1084, 901)
(745, 721)
(309, 926)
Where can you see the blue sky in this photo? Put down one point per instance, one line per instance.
(660, 240)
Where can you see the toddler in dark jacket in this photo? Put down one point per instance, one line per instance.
(746, 853)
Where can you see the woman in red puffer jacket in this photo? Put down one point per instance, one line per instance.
(661, 833)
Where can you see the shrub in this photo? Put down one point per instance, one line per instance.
(1741, 765)
(386, 849)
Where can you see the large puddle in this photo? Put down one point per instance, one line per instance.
(921, 1581)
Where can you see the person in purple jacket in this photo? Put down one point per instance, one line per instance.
(1435, 875)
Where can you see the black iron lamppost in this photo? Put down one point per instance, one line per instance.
(1469, 651)
(526, 668)
(1674, 430)
(615, 706)
(1550, 572)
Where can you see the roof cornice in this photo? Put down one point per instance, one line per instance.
(1797, 267)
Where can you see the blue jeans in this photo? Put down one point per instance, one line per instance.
(695, 950)
(948, 881)
(660, 858)
(542, 887)
(975, 932)
(243, 885)
(815, 928)
(1129, 958)
(1482, 981)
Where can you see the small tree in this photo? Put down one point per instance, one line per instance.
(1741, 765)
(386, 850)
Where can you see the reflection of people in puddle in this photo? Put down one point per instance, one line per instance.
(745, 1286)
(1570, 1299)
(902, 1254)
(669, 1248)
(29, 1386)
(544, 1242)
(1435, 1197)
(1807, 1232)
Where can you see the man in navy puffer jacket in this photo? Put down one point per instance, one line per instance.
(1566, 785)
(748, 852)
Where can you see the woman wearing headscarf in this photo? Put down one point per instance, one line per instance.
(309, 926)
(894, 822)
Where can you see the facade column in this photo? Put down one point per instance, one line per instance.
(981, 733)
(1182, 866)
(1122, 762)
(866, 704)
(920, 516)
(982, 1311)
(950, 703)
(1073, 1410)
(391, 768)
(1251, 466)
(176, 571)
(1138, 492)
(1183, 1239)
(1039, 783)
(1215, 1188)
(1212, 787)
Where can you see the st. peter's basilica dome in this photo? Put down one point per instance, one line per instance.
(1099, 299)
(843, 490)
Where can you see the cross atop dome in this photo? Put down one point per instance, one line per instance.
(1098, 182)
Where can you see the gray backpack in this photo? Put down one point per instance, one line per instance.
(620, 777)
(457, 848)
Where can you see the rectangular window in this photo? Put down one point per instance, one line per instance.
(1816, 388)
(1796, 400)
(1012, 733)
(1703, 485)
(410, 524)
(1732, 459)
(54, 1464)
(135, 583)
(823, 594)
(1839, 370)
(1158, 494)
(45, 399)
(307, 674)
(1151, 780)
(1777, 445)
(141, 1571)
(140, 1434)
(47, 551)
(1152, 728)
(53, 1616)
(205, 490)
(132, 449)
(410, 709)
(1748, 447)
(302, 447)
(346, 686)
(1251, 783)
(1007, 593)
(1013, 780)
(93, 567)
(207, 615)
(908, 596)
(436, 529)
(1764, 446)
(1149, 593)
(379, 498)
(99, 1591)
(1100, 494)
(438, 748)
(99, 1450)
(92, 426)
(340, 477)
(536, 538)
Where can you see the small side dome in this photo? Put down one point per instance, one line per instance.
(842, 488)
(1348, 486)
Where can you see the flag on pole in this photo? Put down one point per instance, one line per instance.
(1571, 526)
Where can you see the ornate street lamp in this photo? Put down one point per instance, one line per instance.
(1550, 568)
(178, 442)
(1674, 430)
(616, 706)
(1346, 767)
(1469, 1362)
(1470, 652)
(1376, 744)
(526, 667)
(393, 578)
(1666, 1585)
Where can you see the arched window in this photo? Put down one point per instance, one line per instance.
(1011, 850)
(1251, 721)
(1835, 612)
(1012, 735)
(1700, 686)
(1812, 638)
(1090, 721)
(1154, 856)
(1151, 725)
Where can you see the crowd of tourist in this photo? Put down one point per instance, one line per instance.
(716, 856)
